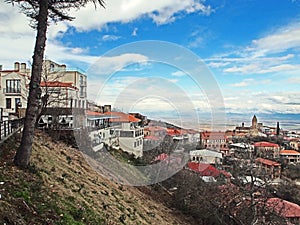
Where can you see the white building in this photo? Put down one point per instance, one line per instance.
(13, 90)
(128, 131)
(206, 156)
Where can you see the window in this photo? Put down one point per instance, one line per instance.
(8, 103)
(18, 103)
(13, 86)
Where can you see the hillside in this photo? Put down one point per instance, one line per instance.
(61, 188)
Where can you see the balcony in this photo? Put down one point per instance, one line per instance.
(12, 91)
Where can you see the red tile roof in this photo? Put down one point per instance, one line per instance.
(206, 169)
(267, 162)
(154, 138)
(92, 113)
(289, 152)
(122, 117)
(212, 135)
(284, 208)
(265, 144)
(57, 84)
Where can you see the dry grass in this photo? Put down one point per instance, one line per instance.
(61, 188)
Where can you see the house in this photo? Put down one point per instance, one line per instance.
(294, 143)
(285, 209)
(206, 156)
(128, 131)
(266, 149)
(100, 130)
(215, 141)
(241, 150)
(268, 168)
(53, 71)
(290, 156)
(207, 171)
(14, 90)
(63, 90)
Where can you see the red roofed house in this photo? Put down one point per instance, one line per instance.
(129, 133)
(290, 156)
(205, 169)
(267, 167)
(266, 149)
(285, 209)
(214, 141)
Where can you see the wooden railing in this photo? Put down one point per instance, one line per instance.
(9, 127)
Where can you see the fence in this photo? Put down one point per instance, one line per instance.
(9, 127)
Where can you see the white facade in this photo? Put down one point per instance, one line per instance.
(206, 156)
(13, 90)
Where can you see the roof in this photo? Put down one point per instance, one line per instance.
(213, 135)
(267, 162)
(207, 153)
(153, 138)
(206, 169)
(265, 144)
(155, 128)
(284, 208)
(122, 117)
(57, 84)
(173, 131)
(289, 152)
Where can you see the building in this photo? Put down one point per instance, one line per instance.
(128, 131)
(268, 168)
(206, 156)
(290, 156)
(54, 72)
(14, 90)
(241, 150)
(266, 149)
(214, 141)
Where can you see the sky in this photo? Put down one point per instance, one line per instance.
(174, 58)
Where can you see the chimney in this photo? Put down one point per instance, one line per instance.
(23, 67)
(243, 124)
(17, 66)
(0, 67)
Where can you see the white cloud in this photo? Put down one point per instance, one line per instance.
(283, 39)
(268, 54)
(243, 83)
(179, 73)
(160, 12)
(109, 37)
(134, 32)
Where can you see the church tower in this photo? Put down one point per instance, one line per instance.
(254, 122)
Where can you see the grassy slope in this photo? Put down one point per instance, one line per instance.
(61, 188)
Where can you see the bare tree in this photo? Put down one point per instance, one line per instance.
(40, 12)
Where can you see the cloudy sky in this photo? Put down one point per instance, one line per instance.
(242, 56)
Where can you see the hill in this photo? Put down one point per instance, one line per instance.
(61, 188)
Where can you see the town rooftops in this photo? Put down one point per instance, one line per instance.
(284, 208)
(213, 135)
(205, 169)
(122, 117)
(289, 152)
(265, 144)
(267, 162)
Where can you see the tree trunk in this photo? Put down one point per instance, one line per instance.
(22, 158)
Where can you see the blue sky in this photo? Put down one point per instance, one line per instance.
(251, 48)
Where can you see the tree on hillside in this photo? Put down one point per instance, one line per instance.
(40, 12)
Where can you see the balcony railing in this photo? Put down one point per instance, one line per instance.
(9, 127)
(12, 90)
